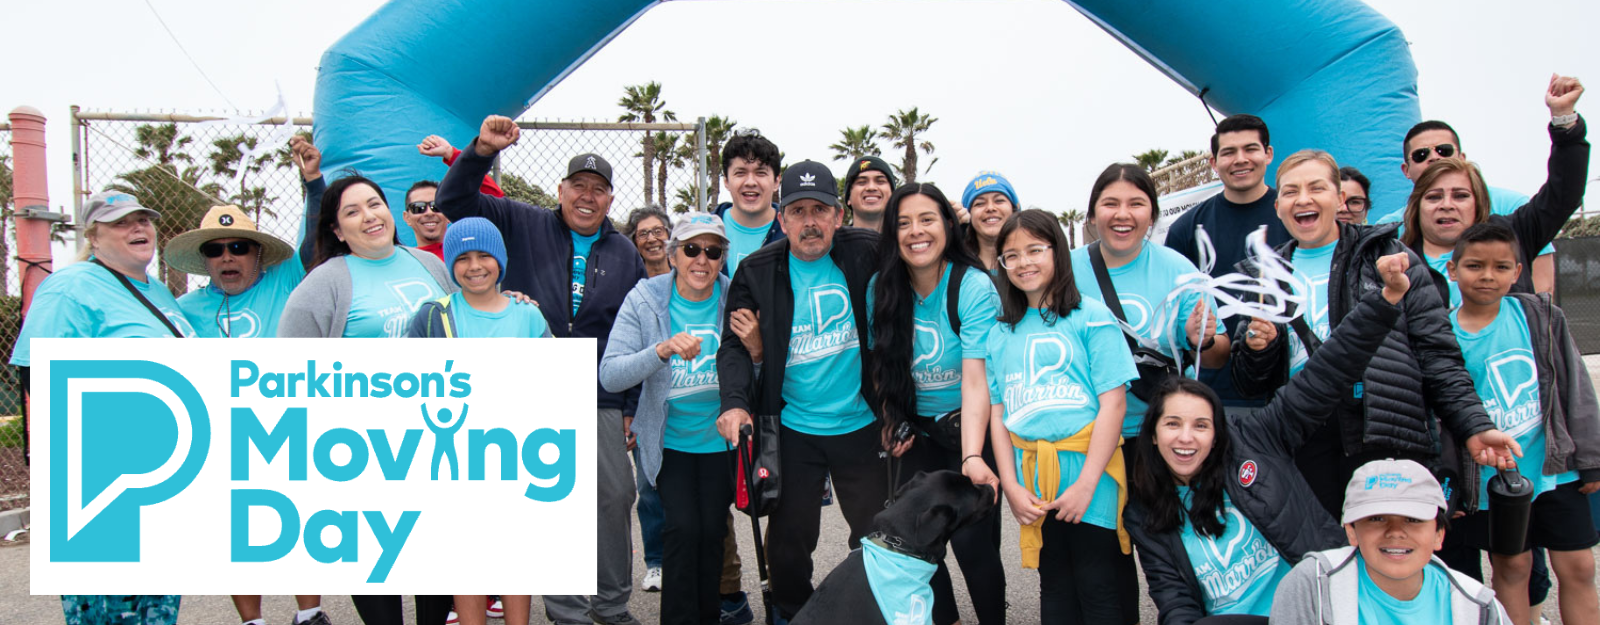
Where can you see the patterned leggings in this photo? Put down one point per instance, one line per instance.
(120, 609)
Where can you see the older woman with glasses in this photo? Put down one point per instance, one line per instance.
(649, 228)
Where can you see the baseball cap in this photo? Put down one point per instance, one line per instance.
(591, 163)
(109, 206)
(695, 224)
(809, 180)
(1400, 487)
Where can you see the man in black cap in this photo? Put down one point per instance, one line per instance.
(807, 294)
(579, 269)
(867, 187)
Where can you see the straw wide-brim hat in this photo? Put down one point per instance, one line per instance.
(223, 222)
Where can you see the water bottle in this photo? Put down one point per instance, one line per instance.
(1510, 505)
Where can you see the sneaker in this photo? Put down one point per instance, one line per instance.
(496, 609)
(737, 612)
(320, 619)
(652, 580)
(452, 619)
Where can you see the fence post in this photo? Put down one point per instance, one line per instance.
(79, 166)
(31, 196)
(701, 182)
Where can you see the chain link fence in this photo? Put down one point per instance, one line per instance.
(13, 464)
(181, 166)
(1578, 289)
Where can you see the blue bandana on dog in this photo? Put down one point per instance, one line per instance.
(899, 585)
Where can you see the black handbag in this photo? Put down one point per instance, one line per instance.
(944, 431)
(1154, 366)
(756, 482)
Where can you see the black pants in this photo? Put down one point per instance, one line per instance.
(1327, 469)
(390, 610)
(1074, 587)
(977, 546)
(696, 490)
(859, 476)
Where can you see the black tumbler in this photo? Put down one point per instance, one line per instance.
(1510, 505)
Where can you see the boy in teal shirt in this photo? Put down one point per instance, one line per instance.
(1533, 382)
(477, 257)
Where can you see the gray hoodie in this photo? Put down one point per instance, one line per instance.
(319, 307)
(1323, 590)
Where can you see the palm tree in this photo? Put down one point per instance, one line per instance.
(226, 160)
(855, 143)
(519, 189)
(718, 129)
(162, 145)
(686, 200)
(1151, 159)
(643, 104)
(902, 130)
(1181, 157)
(668, 156)
(1069, 221)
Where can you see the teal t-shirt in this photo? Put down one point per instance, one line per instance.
(742, 241)
(84, 300)
(693, 403)
(515, 321)
(581, 244)
(822, 376)
(937, 353)
(1239, 571)
(1050, 376)
(899, 584)
(1500, 359)
(386, 294)
(1431, 606)
(1142, 286)
(1441, 264)
(251, 314)
(1311, 268)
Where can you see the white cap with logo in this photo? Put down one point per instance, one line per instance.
(1400, 487)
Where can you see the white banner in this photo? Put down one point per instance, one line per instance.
(310, 466)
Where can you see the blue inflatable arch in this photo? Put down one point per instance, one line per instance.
(1332, 74)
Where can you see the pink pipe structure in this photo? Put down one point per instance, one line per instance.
(30, 190)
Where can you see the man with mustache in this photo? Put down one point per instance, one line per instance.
(807, 296)
(579, 268)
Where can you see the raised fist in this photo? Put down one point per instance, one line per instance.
(1562, 95)
(307, 157)
(497, 133)
(435, 146)
(1392, 269)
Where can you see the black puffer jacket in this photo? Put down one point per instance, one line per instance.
(1417, 375)
(762, 285)
(1263, 481)
(1539, 221)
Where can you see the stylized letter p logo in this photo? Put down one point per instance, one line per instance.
(124, 434)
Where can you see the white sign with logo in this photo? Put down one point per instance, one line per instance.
(308, 466)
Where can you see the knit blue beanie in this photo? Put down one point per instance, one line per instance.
(473, 234)
(985, 182)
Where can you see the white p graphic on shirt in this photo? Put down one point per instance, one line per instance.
(1046, 354)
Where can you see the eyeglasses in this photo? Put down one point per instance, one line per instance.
(418, 208)
(1034, 255)
(652, 233)
(1445, 150)
(713, 252)
(1356, 205)
(236, 248)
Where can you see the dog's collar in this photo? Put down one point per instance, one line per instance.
(897, 545)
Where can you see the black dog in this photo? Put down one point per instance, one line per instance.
(926, 512)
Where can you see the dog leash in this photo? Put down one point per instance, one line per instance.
(902, 433)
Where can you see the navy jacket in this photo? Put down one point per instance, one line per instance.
(539, 260)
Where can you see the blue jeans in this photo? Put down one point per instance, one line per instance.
(651, 518)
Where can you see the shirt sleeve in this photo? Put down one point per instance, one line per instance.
(979, 307)
(1110, 364)
(52, 315)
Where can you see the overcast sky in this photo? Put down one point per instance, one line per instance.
(1025, 87)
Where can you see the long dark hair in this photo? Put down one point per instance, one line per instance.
(1151, 481)
(327, 245)
(1061, 295)
(893, 342)
(1132, 174)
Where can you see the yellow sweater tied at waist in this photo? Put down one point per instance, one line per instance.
(1039, 458)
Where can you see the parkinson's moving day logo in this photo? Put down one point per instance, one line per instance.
(212, 466)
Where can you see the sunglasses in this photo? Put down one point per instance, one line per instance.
(1445, 150)
(236, 248)
(418, 208)
(713, 252)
